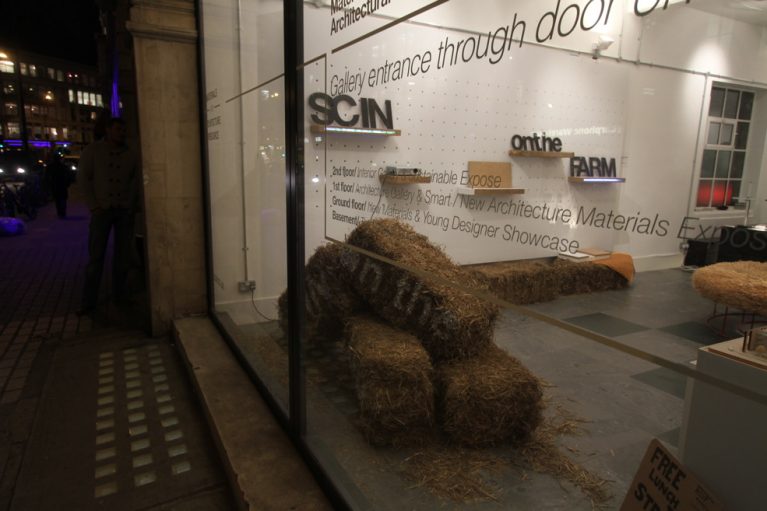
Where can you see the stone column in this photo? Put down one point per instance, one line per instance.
(165, 52)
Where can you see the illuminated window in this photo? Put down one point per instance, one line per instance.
(71, 96)
(99, 101)
(79, 97)
(51, 73)
(6, 66)
(13, 129)
(724, 155)
(60, 75)
(11, 109)
(32, 70)
(93, 116)
(92, 99)
(65, 133)
(8, 88)
(23, 68)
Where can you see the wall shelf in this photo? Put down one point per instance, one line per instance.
(596, 179)
(489, 191)
(403, 180)
(320, 129)
(541, 154)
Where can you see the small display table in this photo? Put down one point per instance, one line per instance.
(723, 440)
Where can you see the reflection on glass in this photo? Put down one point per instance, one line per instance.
(709, 159)
(738, 158)
(717, 102)
(731, 104)
(746, 105)
(723, 163)
(741, 137)
(713, 133)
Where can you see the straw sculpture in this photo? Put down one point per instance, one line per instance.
(577, 278)
(450, 323)
(407, 336)
(393, 378)
(489, 399)
(519, 282)
(526, 282)
(329, 298)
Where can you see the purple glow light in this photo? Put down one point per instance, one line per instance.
(114, 104)
(39, 143)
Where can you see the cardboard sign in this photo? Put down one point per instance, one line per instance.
(489, 174)
(663, 484)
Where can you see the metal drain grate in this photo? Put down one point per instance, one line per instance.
(139, 437)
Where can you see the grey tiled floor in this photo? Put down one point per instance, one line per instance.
(625, 400)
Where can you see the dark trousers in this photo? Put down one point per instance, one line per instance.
(61, 206)
(98, 236)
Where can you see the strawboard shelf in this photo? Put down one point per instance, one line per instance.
(490, 191)
(541, 154)
(574, 179)
(320, 129)
(403, 180)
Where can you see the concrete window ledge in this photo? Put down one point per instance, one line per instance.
(264, 469)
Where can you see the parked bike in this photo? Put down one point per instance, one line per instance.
(17, 198)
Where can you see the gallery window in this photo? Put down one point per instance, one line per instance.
(6, 66)
(724, 157)
(419, 212)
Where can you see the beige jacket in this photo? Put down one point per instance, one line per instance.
(109, 176)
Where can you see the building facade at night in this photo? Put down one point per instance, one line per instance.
(47, 103)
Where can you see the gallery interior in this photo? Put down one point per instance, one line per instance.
(518, 258)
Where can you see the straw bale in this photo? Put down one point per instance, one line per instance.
(450, 323)
(329, 297)
(577, 278)
(519, 282)
(741, 284)
(489, 399)
(393, 379)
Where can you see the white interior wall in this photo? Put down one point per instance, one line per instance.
(221, 82)
(263, 145)
(661, 118)
(657, 110)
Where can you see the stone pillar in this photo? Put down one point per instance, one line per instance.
(165, 52)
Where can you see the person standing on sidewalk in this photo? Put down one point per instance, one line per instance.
(109, 179)
(60, 178)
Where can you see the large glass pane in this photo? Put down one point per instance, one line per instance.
(726, 135)
(704, 193)
(709, 161)
(480, 207)
(733, 193)
(731, 104)
(741, 137)
(746, 105)
(717, 102)
(244, 92)
(723, 163)
(713, 132)
(738, 158)
(719, 193)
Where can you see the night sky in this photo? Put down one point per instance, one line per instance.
(59, 28)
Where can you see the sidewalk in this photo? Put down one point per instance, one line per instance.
(93, 414)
